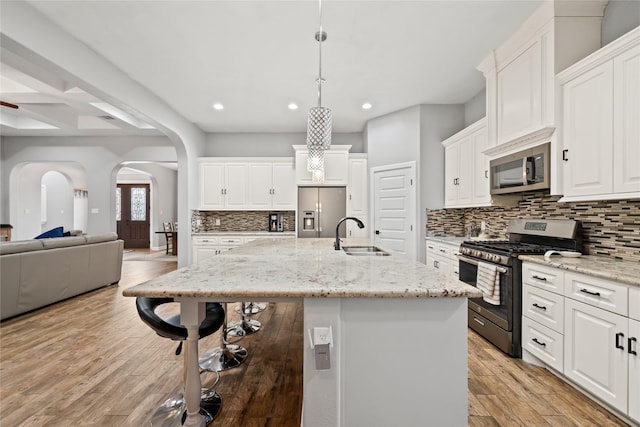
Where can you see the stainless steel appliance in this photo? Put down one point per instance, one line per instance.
(319, 210)
(522, 171)
(276, 222)
(501, 324)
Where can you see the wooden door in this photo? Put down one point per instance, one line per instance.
(132, 214)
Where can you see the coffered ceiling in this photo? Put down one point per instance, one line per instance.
(256, 57)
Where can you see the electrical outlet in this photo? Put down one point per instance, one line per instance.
(217, 221)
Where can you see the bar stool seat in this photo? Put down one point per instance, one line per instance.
(172, 411)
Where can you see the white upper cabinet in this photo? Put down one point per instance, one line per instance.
(467, 168)
(521, 93)
(600, 129)
(223, 185)
(247, 184)
(272, 185)
(336, 166)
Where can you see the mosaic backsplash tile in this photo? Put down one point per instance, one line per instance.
(610, 227)
(238, 221)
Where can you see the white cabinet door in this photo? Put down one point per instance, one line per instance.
(465, 171)
(336, 167)
(451, 175)
(201, 253)
(481, 188)
(519, 94)
(260, 188)
(633, 351)
(285, 191)
(595, 352)
(626, 133)
(212, 185)
(588, 133)
(354, 231)
(357, 190)
(236, 182)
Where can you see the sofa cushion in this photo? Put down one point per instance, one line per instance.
(20, 246)
(54, 232)
(63, 242)
(104, 237)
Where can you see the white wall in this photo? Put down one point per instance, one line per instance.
(59, 207)
(475, 108)
(101, 158)
(620, 17)
(270, 144)
(415, 134)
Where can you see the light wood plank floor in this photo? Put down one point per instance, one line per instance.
(91, 361)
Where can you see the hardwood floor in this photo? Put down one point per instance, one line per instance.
(91, 361)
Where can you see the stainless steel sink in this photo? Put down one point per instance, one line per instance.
(364, 251)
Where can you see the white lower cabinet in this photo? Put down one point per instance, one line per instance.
(443, 257)
(587, 329)
(595, 352)
(210, 246)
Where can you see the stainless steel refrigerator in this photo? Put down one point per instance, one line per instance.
(320, 209)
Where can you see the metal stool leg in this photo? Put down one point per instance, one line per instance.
(245, 326)
(252, 308)
(225, 357)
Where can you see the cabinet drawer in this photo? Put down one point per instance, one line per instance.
(597, 292)
(432, 247)
(205, 240)
(231, 241)
(540, 276)
(634, 303)
(544, 343)
(445, 250)
(544, 307)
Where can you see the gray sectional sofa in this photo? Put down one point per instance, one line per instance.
(36, 273)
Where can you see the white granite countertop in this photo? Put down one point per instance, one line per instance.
(302, 268)
(608, 268)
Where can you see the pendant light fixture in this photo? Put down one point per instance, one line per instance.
(319, 120)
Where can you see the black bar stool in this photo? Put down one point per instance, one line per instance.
(225, 357)
(173, 410)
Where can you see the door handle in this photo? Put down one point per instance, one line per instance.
(618, 336)
(377, 231)
(542, 344)
(541, 307)
(588, 292)
(564, 155)
(630, 342)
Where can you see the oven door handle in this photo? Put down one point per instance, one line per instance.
(476, 262)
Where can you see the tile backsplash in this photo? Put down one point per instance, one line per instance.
(203, 221)
(610, 228)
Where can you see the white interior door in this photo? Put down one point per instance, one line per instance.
(394, 195)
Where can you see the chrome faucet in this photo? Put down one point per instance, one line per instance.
(336, 245)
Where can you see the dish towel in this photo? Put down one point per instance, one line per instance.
(488, 281)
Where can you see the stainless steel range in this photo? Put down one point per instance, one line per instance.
(499, 322)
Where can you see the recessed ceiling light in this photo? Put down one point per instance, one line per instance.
(366, 106)
(218, 106)
(292, 106)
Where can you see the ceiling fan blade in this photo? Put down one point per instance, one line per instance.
(8, 104)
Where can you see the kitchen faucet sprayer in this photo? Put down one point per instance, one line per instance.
(360, 224)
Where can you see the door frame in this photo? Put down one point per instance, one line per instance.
(412, 166)
(148, 220)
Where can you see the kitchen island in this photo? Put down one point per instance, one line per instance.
(399, 340)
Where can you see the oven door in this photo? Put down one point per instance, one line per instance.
(501, 315)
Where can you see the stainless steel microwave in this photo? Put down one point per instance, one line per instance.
(522, 171)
